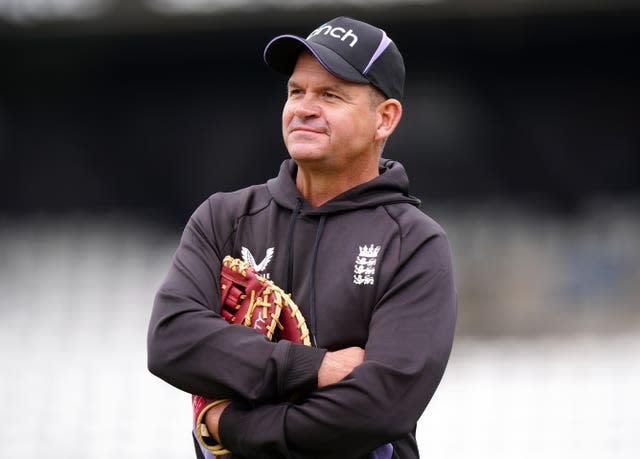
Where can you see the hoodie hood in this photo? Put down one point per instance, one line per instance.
(390, 187)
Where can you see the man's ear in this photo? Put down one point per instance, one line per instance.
(388, 113)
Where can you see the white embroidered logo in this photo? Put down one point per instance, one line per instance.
(258, 267)
(336, 32)
(365, 266)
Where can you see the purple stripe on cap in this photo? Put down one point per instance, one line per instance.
(381, 47)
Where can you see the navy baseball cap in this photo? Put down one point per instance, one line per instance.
(349, 49)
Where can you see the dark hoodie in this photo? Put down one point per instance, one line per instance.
(367, 269)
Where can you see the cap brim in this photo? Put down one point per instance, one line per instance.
(282, 53)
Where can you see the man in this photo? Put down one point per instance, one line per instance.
(337, 228)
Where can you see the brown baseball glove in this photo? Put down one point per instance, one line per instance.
(251, 300)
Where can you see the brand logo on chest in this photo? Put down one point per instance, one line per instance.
(364, 269)
(258, 267)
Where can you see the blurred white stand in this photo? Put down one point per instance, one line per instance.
(74, 310)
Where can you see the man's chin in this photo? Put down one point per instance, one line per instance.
(306, 155)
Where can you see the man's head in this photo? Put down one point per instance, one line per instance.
(336, 116)
(351, 50)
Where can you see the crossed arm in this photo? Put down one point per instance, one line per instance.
(334, 367)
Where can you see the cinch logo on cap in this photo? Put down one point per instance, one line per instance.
(335, 32)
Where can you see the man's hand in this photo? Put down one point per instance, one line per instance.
(212, 418)
(336, 365)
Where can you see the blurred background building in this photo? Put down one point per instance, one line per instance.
(520, 135)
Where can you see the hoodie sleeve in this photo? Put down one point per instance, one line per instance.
(410, 338)
(192, 347)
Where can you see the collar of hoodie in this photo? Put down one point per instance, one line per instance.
(390, 187)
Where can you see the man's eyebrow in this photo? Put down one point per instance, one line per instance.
(329, 87)
(334, 88)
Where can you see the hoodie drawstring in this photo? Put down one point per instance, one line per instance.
(288, 265)
(312, 291)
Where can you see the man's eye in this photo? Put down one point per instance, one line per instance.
(330, 95)
(294, 92)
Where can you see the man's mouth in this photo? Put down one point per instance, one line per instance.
(306, 129)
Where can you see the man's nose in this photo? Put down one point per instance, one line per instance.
(307, 107)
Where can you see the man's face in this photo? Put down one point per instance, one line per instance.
(327, 122)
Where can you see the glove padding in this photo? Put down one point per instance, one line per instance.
(252, 300)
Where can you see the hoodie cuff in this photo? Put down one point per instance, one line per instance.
(246, 430)
(299, 375)
(231, 428)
